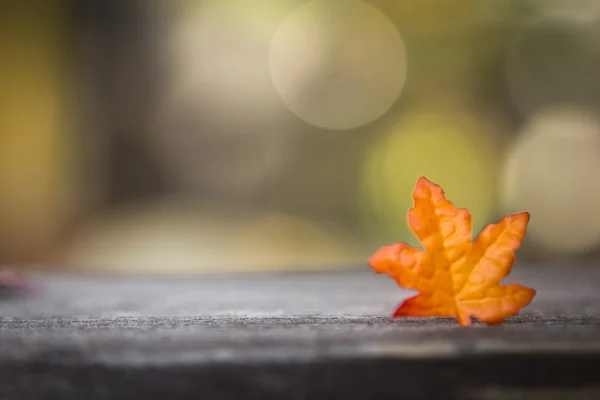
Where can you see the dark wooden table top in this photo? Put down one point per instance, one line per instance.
(304, 336)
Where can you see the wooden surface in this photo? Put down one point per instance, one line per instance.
(305, 336)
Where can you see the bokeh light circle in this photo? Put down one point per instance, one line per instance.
(451, 150)
(338, 64)
(220, 130)
(553, 172)
(223, 61)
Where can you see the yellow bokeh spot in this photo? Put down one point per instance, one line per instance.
(452, 150)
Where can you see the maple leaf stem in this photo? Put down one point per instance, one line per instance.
(463, 319)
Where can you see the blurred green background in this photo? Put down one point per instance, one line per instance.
(180, 137)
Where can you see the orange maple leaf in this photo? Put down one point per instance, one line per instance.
(455, 277)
